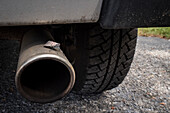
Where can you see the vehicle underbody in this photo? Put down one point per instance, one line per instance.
(84, 45)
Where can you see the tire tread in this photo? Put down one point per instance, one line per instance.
(110, 56)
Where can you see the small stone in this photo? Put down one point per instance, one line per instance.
(162, 103)
(112, 107)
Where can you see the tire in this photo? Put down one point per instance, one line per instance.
(103, 57)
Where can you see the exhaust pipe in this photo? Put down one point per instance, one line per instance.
(44, 74)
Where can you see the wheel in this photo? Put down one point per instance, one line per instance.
(102, 58)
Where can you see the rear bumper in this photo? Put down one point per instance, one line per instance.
(38, 12)
(115, 14)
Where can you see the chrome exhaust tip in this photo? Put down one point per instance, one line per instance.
(43, 74)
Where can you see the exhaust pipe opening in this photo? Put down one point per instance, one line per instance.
(43, 74)
(44, 79)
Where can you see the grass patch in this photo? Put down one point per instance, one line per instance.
(162, 32)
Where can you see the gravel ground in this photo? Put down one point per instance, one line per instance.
(145, 89)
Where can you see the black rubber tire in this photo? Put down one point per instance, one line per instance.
(104, 58)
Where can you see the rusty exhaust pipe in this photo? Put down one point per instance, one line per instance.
(44, 74)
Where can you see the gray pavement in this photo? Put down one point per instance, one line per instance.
(145, 89)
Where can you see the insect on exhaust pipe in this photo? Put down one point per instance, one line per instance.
(44, 74)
